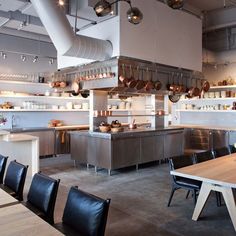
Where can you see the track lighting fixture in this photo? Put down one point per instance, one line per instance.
(175, 4)
(23, 57)
(35, 59)
(51, 61)
(103, 8)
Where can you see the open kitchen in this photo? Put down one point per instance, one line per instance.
(128, 103)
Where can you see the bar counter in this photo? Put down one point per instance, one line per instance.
(130, 147)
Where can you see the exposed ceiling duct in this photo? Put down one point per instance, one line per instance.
(63, 37)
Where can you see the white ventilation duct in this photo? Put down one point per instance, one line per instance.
(63, 37)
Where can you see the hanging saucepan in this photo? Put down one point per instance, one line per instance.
(182, 88)
(122, 77)
(148, 83)
(157, 84)
(205, 85)
(191, 89)
(131, 82)
(171, 86)
(140, 83)
(174, 97)
(85, 93)
(197, 91)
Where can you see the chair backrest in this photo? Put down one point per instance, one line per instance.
(86, 213)
(43, 193)
(180, 161)
(219, 152)
(204, 156)
(15, 178)
(232, 148)
(3, 162)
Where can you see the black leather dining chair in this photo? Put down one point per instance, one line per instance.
(3, 162)
(84, 214)
(14, 180)
(42, 195)
(181, 182)
(203, 156)
(223, 151)
(232, 148)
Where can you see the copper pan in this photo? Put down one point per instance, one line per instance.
(157, 84)
(140, 83)
(122, 78)
(148, 83)
(131, 82)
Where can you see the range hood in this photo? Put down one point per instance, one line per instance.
(63, 37)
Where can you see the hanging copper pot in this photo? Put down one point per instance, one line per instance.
(205, 85)
(140, 83)
(123, 79)
(148, 83)
(131, 82)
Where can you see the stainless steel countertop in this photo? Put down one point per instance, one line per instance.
(129, 132)
(189, 126)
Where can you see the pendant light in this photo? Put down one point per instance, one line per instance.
(103, 8)
(175, 4)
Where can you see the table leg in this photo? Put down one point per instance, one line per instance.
(230, 203)
(201, 201)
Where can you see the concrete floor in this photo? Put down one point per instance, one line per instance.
(138, 200)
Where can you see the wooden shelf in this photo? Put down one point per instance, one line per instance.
(206, 100)
(222, 87)
(44, 97)
(44, 110)
(23, 82)
(182, 110)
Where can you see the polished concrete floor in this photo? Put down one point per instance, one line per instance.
(138, 200)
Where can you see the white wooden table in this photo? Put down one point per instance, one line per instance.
(218, 175)
(6, 199)
(18, 220)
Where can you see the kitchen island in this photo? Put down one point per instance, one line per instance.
(129, 148)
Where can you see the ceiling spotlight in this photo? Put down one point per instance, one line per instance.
(3, 55)
(134, 15)
(61, 2)
(35, 59)
(51, 61)
(23, 57)
(175, 4)
(103, 8)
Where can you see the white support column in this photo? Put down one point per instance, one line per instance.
(98, 102)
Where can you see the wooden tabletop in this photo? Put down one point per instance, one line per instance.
(220, 171)
(17, 220)
(6, 199)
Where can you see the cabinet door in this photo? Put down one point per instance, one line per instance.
(125, 152)
(220, 138)
(79, 148)
(152, 148)
(46, 142)
(173, 144)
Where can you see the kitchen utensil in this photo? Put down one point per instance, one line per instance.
(205, 85)
(131, 82)
(157, 84)
(117, 129)
(174, 97)
(133, 125)
(191, 89)
(85, 93)
(196, 91)
(140, 83)
(122, 77)
(171, 86)
(148, 83)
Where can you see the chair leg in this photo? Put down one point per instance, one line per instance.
(218, 199)
(187, 194)
(171, 196)
(194, 196)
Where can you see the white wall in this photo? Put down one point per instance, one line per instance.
(165, 36)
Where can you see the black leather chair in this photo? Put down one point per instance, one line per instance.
(203, 156)
(15, 179)
(84, 214)
(3, 162)
(232, 148)
(181, 182)
(42, 196)
(219, 152)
